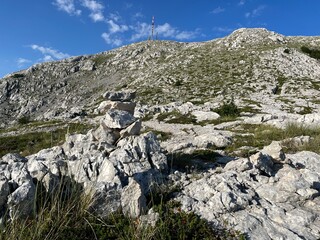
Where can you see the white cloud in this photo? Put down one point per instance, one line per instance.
(138, 15)
(218, 10)
(97, 17)
(143, 30)
(67, 6)
(49, 53)
(187, 35)
(166, 30)
(128, 5)
(242, 2)
(115, 28)
(256, 12)
(222, 29)
(22, 61)
(95, 8)
(109, 39)
(115, 17)
(92, 5)
(47, 58)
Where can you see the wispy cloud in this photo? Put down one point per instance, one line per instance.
(218, 10)
(49, 54)
(112, 40)
(22, 62)
(143, 30)
(95, 8)
(116, 28)
(256, 12)
(223, 29)
(128, 5)
(138, 15)
(242, 2)
(67, 6)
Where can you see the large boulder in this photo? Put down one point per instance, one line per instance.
(133, 201)
(117, 119)
(265, 197)
(274, 150)
(124, 106)
(17, 188)
(123, 96)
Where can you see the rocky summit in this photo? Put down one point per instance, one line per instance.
(229, 127)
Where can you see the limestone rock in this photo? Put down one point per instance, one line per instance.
(262, 162)
(124, 106)
(117, 119)
(212, 140)
(4, 189)
(133, 129)
(274, 150)
(133, 200)
(149, 219)
(205, 116)
(124, 96)
(21, 201)
(106, 134)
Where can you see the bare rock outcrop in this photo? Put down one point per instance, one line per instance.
(260, 196)
(115, 164)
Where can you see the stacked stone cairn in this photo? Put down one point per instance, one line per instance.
(114, 164)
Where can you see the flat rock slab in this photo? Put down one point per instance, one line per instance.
(282, 205)
(118, 119)
(124, 96)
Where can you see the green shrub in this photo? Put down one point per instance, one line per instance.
(197, 160)
(228, 109)
(65, 215)
(287, 51)
(177, 117)
(18, 75)
(24, 120)
(314, 53)
(259, 136)
(33, 142)
(178, 83)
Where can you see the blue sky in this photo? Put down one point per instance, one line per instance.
(34, 31)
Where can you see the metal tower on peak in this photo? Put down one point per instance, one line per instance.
(152, 29)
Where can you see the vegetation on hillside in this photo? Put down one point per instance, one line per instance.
(65, 215)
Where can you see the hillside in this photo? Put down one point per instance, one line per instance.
(208, 140)
(254, 66)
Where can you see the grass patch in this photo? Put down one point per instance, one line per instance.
(306, 110)
(177, 117)
(101, 59)
(259, 136)
(18, 75)
(161, 136)
(64, 215)
(218, 121)
(228, 109)
(30, 143)
(24, 120)
(197, 160)
(314, 53)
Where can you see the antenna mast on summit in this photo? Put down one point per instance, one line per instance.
(152, 29)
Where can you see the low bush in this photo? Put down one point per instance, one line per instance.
(177, 117)
(24, 120)
(228, 109)
(33, 142)
(262, 135)
(314, 53)
(197, 160)
(64, 215)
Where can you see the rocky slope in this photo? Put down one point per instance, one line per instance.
(236, 125)
(264, 69)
